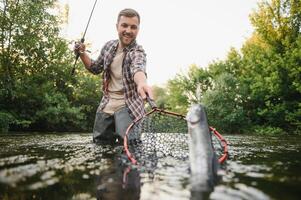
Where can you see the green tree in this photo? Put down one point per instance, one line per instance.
(160, 96)
(259, 86)
(37, 89)
(176, 100)
(188, 88)
(272, 62)
(224, 105)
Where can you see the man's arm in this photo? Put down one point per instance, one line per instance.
(86, 60)
(143, 89)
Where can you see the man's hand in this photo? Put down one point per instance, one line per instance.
(143, 89)
(79, 48)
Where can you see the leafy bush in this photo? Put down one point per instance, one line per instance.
(224, 105)
(58, 113)
(268, 130)
(5, 120)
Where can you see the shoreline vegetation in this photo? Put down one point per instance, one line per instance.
(256, 89)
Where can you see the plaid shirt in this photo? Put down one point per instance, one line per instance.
(134, 61)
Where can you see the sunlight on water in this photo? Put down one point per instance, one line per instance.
(70, 166)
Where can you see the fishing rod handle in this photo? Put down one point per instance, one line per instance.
(82, 40)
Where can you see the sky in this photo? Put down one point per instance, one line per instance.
(174, 33)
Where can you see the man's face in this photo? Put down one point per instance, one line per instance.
(127, 28)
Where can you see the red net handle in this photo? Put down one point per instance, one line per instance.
(223, 142)
(125, 145)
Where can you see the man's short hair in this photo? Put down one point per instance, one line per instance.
(128, 12)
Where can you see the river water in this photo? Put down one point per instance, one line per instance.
(70, 166)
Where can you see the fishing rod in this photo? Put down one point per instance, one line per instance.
(82, 40)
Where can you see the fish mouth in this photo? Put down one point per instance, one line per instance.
(194, 114)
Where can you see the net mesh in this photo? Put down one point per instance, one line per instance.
(160, 135)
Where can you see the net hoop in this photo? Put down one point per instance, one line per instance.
(221, 139)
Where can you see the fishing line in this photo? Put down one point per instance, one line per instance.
(82, 40)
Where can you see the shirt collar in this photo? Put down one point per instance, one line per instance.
(128, 48)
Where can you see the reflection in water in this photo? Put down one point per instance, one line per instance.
(70, 166)
(118, 183)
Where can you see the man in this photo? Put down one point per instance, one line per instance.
(123, 64)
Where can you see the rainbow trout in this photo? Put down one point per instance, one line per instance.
(202, 158)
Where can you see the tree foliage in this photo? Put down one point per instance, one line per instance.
(37, 89)
(258, 87)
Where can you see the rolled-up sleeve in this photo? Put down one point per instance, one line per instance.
(97, 65)
(138, 57)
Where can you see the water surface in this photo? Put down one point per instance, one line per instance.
(70, 166)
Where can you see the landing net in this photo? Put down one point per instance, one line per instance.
(162, 133)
